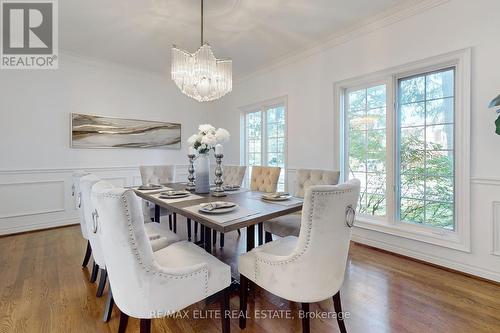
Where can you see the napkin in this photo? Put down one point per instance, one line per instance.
(217, 205)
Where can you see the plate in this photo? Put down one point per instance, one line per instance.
(150, 187)
(230, 188)
(280, 198)
(174, 194)
(218, 211)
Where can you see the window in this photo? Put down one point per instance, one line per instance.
(425, 149)
(265, 137)
(405, 135)
(366, 112)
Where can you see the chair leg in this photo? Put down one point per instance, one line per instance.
(175, 222)
(195, 230)
(123, 323)
(170, 221)
(108, 310)
(243, 301)
(239, 232)
(188, 225)
(145, 326)
(95, 270)
(157, 213)
(306, 328)
(260, 232)
(102, 282)
(221, 242)
(269, 237)
(214, 237)
(224, 310)
(88, 252)
(339, 314)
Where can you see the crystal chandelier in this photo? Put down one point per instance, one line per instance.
(200, 75)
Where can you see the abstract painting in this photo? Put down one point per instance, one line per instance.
(89, 131)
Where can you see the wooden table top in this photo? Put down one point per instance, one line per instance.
(249, 200)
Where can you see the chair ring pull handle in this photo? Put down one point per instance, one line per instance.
(95, 217)
(350, 215)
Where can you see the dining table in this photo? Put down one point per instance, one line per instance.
(252, 210)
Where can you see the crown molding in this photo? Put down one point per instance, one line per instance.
(363, 27)
(108, 65)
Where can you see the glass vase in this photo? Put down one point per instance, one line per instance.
(202, 170)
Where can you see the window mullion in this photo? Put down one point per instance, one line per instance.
(391, 144)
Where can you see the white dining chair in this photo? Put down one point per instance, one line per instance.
(158, 235)
(232, 175)
(309, 268)
(159, 174)
(289, 225)
(147, 284)
(264, 179)
(77, 195)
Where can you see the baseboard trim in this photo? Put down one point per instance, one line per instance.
(39, 226)
(433, 260)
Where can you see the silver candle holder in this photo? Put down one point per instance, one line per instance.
(218, 190)
(191, 185)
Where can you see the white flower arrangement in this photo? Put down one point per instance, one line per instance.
(207, 138)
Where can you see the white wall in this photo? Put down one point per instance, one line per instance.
(36, 161)
(308, 83)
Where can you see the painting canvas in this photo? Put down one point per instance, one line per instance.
(88, 131)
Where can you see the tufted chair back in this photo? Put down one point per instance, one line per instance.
(314, 271)
(157, 174)
(77, 195)
(309, 177)
(86, 184)
(141, 288)
(265, 179)
(234, 174)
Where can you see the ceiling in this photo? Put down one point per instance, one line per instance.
(139, 34)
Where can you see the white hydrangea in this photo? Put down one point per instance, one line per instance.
(206, 128)
(209, 139)
(222, 135)
(192, 139)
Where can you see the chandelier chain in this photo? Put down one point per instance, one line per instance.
(201, 22)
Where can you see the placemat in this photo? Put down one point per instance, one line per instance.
(223, 218)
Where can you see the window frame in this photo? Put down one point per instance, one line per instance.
(459, 238)
(389, 167)
(263, 106)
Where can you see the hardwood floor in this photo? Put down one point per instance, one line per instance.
(44, 289)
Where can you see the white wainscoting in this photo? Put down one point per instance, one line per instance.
(495, 228)
(40, 199)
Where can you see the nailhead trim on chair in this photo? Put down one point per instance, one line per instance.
(308, 235)
(132, 241)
